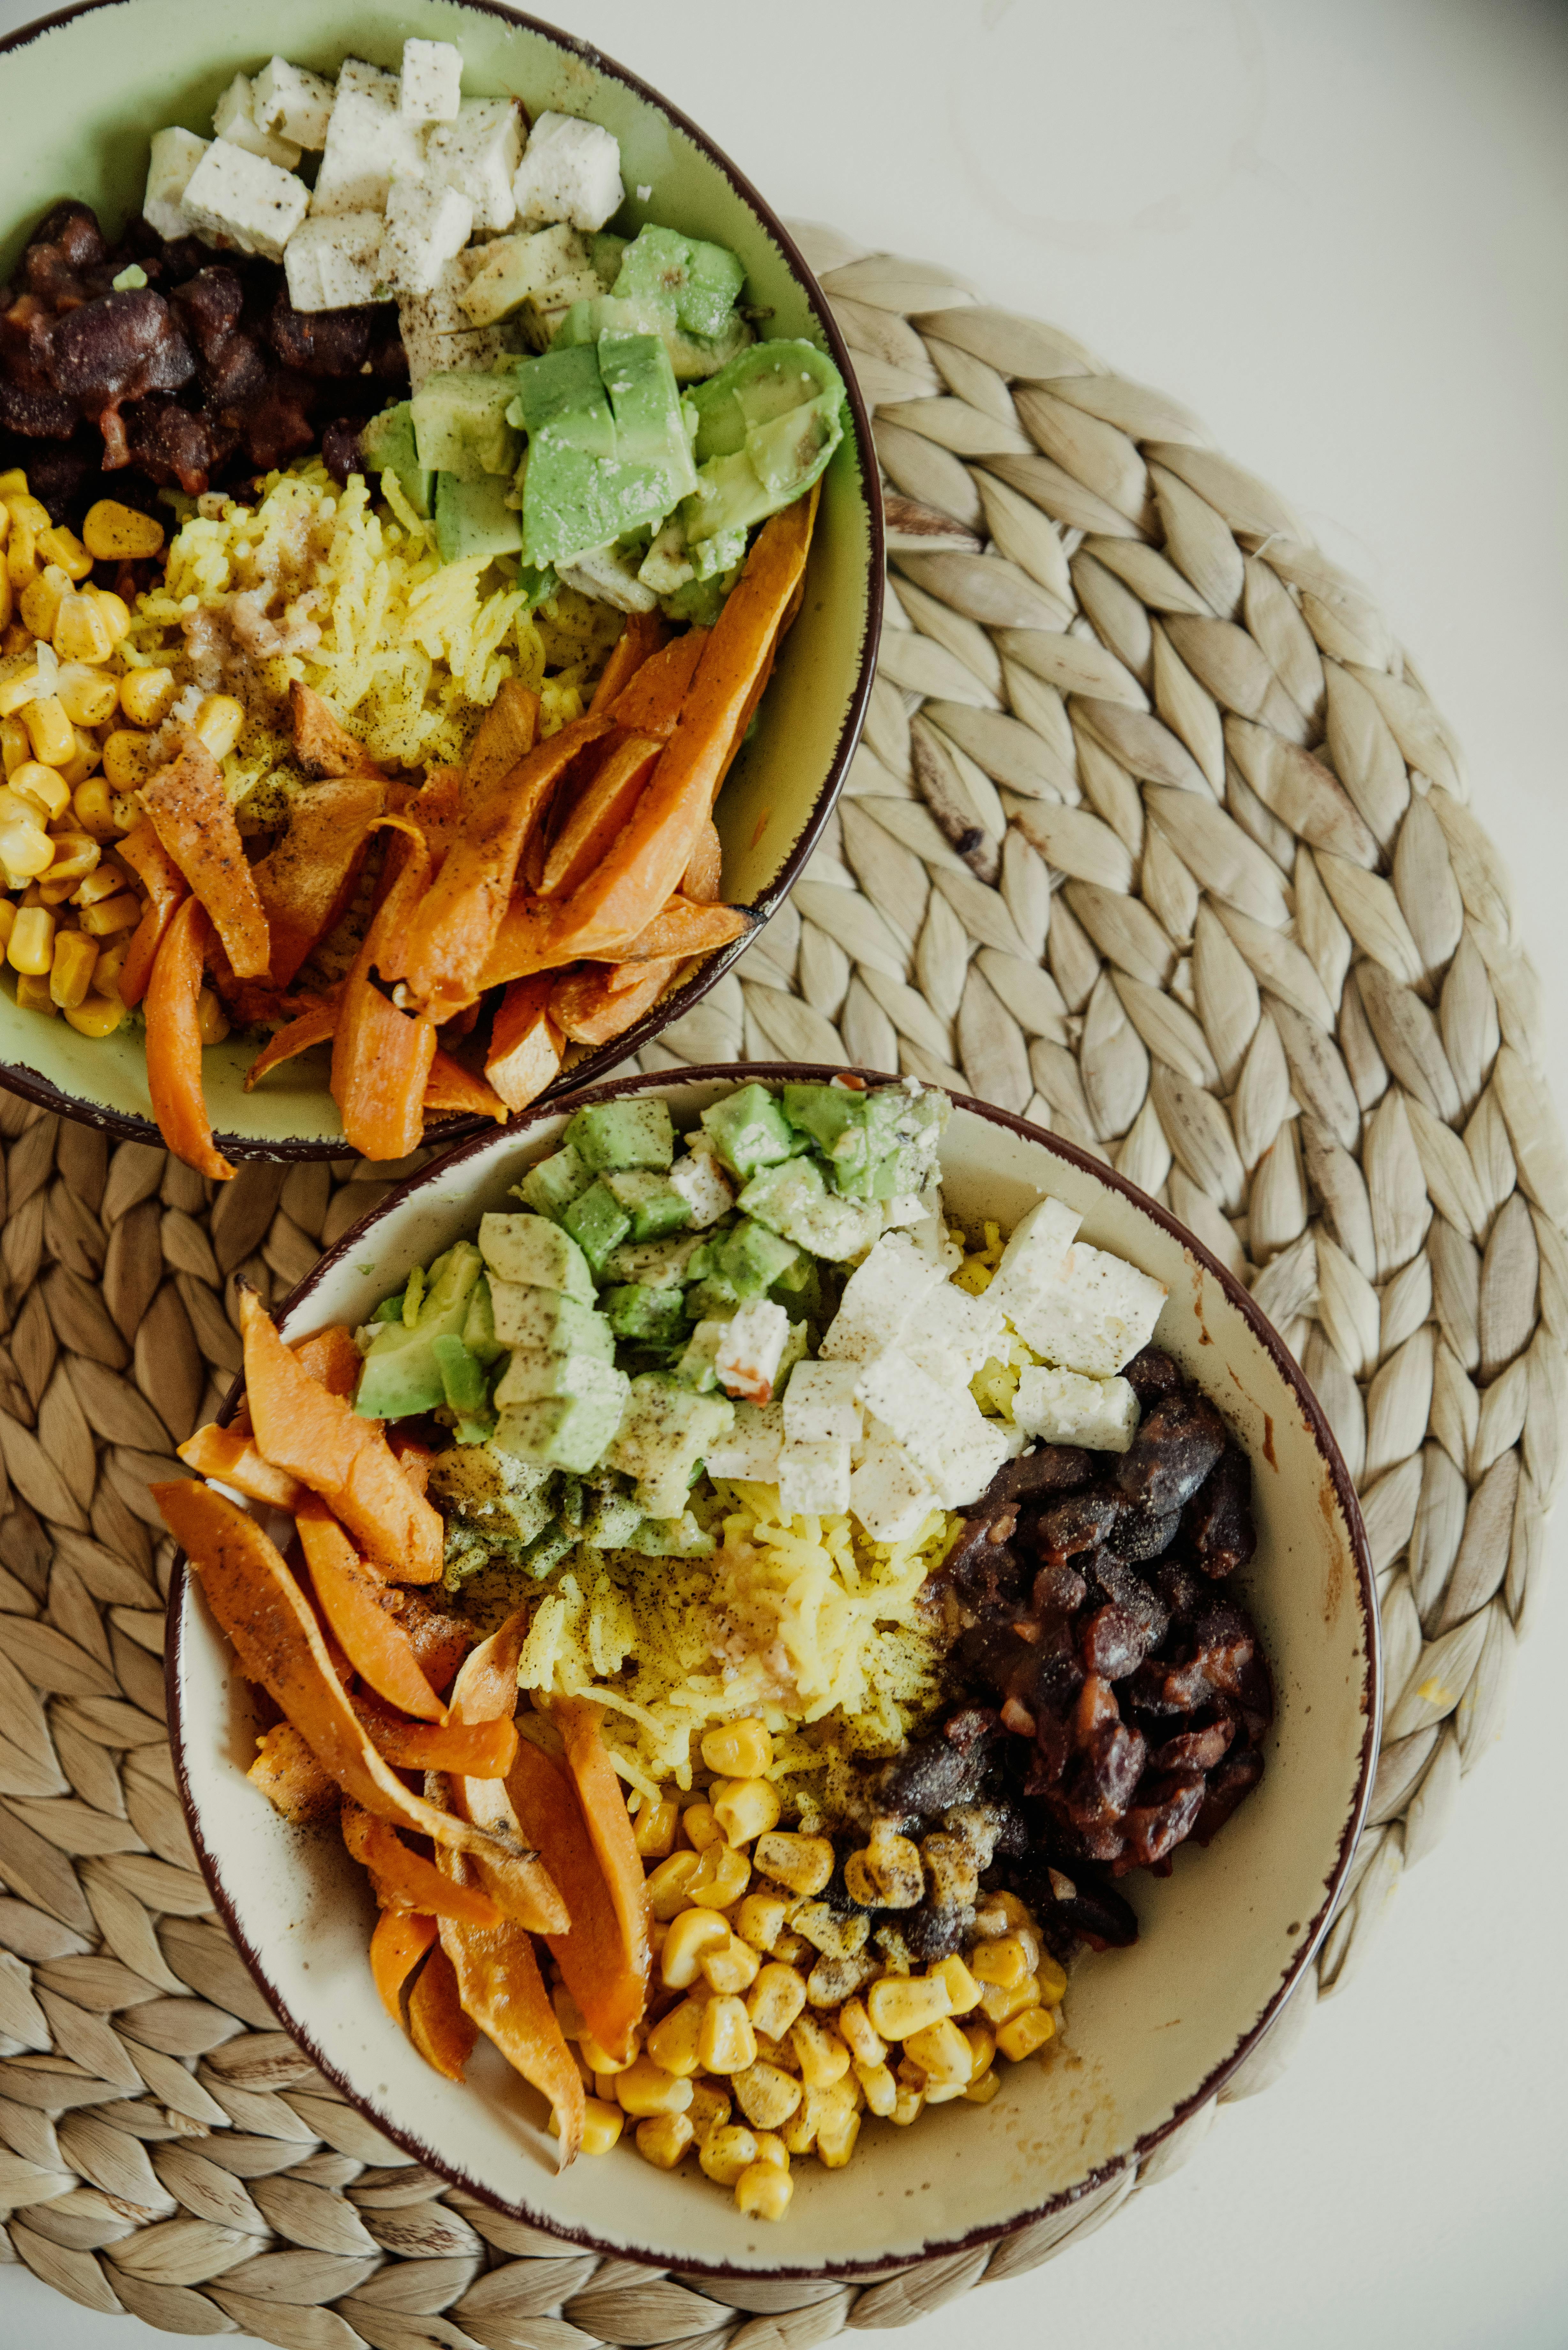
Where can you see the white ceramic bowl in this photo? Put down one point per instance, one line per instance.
(1152, 2030)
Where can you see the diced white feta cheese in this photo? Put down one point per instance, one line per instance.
(437, 337)
(174, 157)
(293, 103)
(369, 145)
(961, 1472)
(606, 574)
(941, 1428)
(667, 567)
(888, 1493)
(904, 1208)
(431, 82)
(548, 268)
(244, 200)
(1037, 1244)
(951, 1333)
(751, 1448)
(813, 1478)
(878, 1297)
(751, 1349)
(1092, 1317)
(478, 155)
(1069, 1408)
(426, 228)
(234, 119)
(334, 261)
(355, 78)
(701, 1183)
(819, 1403)
(571, 172)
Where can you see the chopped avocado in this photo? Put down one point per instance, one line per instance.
(698, 1366)
(387, 445)
(544, 1321)
(566, 1431)
(580, 489)
(550, 1187)
(658, 1264)
(460, 427)
(703, 281)
(401, 1376)
(467, 1393)
(619, 1134)
(650, 1199)
(610, 1520)
(712, 1298)
(473, 519)
(533, 1373)
(801, 1290)
(680, 1537)
(650, 426)
(536, 1253)
(694, 358)
(876, 1142)
(493, 1489)
(479, 1327)
(605, 251)
(390, 1309)
(748, 1130)
(649, 1317)
(665, 1429)
(751, 1258)
(794, 1198)
(699, 602)
(598, 1223)
(552, 267)
(767, 425)
(561, 399)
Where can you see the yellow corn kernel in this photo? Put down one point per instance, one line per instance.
(21, 554)
(700, 1828)
(87, 695)
(830, 1930)
(110, 964)
(879, 2088)
(602, 2126)
(115, 609)
(909, 2105)
(721, 1876)
(39, 604)
(709, 2109)
(999, 2006)
(19, 808)
(117, 534)
(81, 631)
(766, 2095)
(76, 856)
(93, 810)
(962, 1989)
(981, 2048)
(26, 851)
(107, 877)
(653, 1830)
(727, 2043)
(1023, 2033)
(646, 2088)
(824, 2058)
(16, 750)
(211, 1020)
(771, 2148)
(599, 2060)
(112, 914)
(899, 2005)
(865, 2044)
(1003, 1962)
(1052, 1981)
(776, 2052)
(667, 1885)
(741, 1750)
(128, 759)
(672, 2042)
(731, 1968)
(72, 970)
(836, 2132)
(981, 2092)
(220, 722)
(941, 2052)
(44, 787)
(760, 1920)
(802, 1863)
(793, 1948)
(49, 731)
(776, 1999)
(30, 511)
(727, 2152)
(746, 1809)
(62, 547)
(5, 520)
(887, 1875)
(33, 995)
(31, 946)
(83, 760)
(764, 2192)
(9, 909)
(692, 1935)
(665, 2140)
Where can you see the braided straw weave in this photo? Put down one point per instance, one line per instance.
(1156, 838)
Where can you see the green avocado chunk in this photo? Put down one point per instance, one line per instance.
(664, 1432)
(536, 1372)
(473, 519)
(467, 1392)
(748, 1129)
(492, 1489)
(460, 427)
(619, 1134)
(751, 1259)
(650, 1201)
(598, 1223)
(649, 422)
(649, 1317)
(550, 1186)
(387, 445)
(479, 1327)
(545, 1321)
(794, 1198)
(535, 1252)
(701, 281)
(694, 358)
(401, 1374)
(766, 426)
(564, 1431)
(608, 446)
(876, 1143)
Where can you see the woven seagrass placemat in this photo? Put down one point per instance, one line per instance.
(1156, 838)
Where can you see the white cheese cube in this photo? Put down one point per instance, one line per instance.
(819, 1403)
(478, 156)
(246, 201)
(702, 1184)
(334, 261)
(751, 1448)
(961, 1472)
(1093, 1317)
(1039, 1241)
(878, 1297)
(437, 337)
(751, 1351)
(431, 82)
(369, 145)
(813, 1478)
(234, 119)
(571, 172)
(888, 1494)
(358, 80)
(1068, 1408)
(951, 1333)
(292, 103)
(426, 228)
(941, 1428)
(174, 157)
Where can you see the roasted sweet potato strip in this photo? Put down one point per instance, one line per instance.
(233, 1460)
(525, 1045)
(486, 1691)
(654, 848)
(369, 1635)
(193, 817)
(524, 943)
(322, 743)
(651, 702)
(475, 1750)
(441, 1640)
(637, 642)
(603, 805)
(331, 1358)
(306, 882)
(609, 1827)
(291, 1778)
(406, 1880)
(438, 2025)
(382, 1057)
(399, 1941)
(435, 808)
(683, 928)
(508, 732)
(602, 1976)
(702, 881)
(174, 1042)
(315, 1025)
(303, 1428)
(165, 885)
(588, 1007)
(450, 1090)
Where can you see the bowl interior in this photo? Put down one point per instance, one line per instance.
(80, 99)
(1150, 2031)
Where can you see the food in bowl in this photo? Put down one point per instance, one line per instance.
(830, 1615)
(490, 523)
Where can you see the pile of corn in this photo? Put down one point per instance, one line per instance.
(756, 2048)
(75, 735)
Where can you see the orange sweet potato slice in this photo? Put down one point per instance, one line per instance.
(704, 878)
(486, 1691)
(316, 1024)
(381, 1056)
(591, 1008)
(233, 1460)
(331, 1358)
(439, 1639)
(434, 809)
(291, 1778)
(174, 1042)
(600, 810)
(525, 1045)
(193, 817)
(322, 743)
(637, 642)
(304, 1428)
(306, 882)
(651, 702)
(475, 1750)
(369, 1635)
(439, 2024)
(508, 732)
(682, 928)
(165, 885)
(608, 1981)
(399, 1941)
(402, 1879)
(453, 1091)
(608, 1823)
(524, 943)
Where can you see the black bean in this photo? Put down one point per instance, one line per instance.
(340, 450)
(1218, 1521)
(1176, 1446)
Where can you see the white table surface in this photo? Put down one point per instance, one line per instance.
(1339, 232)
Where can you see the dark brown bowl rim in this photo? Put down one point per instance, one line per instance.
(777, 1073)
(129, 1125)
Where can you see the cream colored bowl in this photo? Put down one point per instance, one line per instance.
(1151, 2031)
(79, 96)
